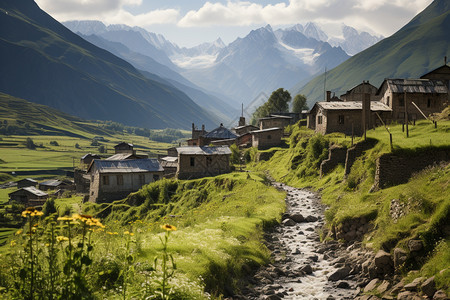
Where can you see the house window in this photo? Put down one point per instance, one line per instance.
(401, 100)
(387, 101)
(319, 119)
(429, 103)
(105, 179)
(155, 177)
(192, 161)
(119, 179)
(341, 119)
(208, 161)
(141, 179)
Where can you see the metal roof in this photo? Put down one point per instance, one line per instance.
(220, 133)
(28, 179)
(423, 86)
(275, 117)
(266, 130)
(33, 190)
(204, 150)
(51, 182)
(120, 156)
(123, 143)
(90, 154)
(244, 126)
(169, 158)
(127, 166)
(353, 105)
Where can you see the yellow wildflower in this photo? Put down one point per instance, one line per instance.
(62, 238)
(168, 227)
(65, 219)
(126, 232)
(131, 233)
(13, 243)
(19, 231)
(32, 212)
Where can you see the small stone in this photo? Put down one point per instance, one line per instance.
(371, 286)
(407, 295)
(311, 219)
(339, 274)
(383, 287)
(400, 257)
(343, 285)
(414, 284)
(296, 251)
(314, 258)
(440, 295)
(307, 269)
(288, 222)
(298, 218)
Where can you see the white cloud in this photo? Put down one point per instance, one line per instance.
(378, 15)
(108, 11)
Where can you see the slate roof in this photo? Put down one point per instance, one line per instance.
(28, 179)
(221, 133)
(204, 150)
(244, 126)
(353, 105)
(275, 117)
(32, 190)
(423, 86)
(120, 156)
(90, 154)
(123, 143)
(266, 130)
(126, 166)
(51, 182)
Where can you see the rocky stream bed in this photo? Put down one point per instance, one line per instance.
(303, 267)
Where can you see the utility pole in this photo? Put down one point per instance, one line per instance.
(406, 112)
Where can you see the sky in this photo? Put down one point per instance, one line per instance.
(191, 22)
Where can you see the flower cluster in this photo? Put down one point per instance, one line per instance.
(31, 211)
(87, 219)
(168, 227)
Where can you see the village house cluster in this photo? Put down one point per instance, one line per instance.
(207, 153)
(396, 100)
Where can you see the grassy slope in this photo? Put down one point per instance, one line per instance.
(426, 194)
(220, 223)
(414, 50)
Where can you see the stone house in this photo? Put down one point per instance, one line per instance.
(274, 121)
(220, 133)
(169, 164)
(243, 129)
(197, 162)
(124, 148)
(115, 179)
(345, 117)
(431, 96)
(88, 158)
(266, 138)
(55, 184)
(357, 93)
(30, 196)
(442, 73)
(26, 182)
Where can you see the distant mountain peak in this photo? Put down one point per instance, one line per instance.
(313, 30)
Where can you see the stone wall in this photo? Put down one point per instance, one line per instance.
(393, 169)
(356, 151)
(336, 155)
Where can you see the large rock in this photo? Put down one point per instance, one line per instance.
(406, 295)
(339, 274)
(383, 262)
(428, 287)
(413, 286)
(415, 245)
(400, 257)
(383, 287)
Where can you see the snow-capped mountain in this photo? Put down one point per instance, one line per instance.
(262, 61)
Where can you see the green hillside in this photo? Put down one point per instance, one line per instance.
(18, 116)
(44, 62)
(417, 48)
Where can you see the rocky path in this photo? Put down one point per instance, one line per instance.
(303, 267)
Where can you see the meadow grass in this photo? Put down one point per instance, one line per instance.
(220, 223)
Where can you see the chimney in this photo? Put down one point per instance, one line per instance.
(241, 121)
(328, 96)
(193, 127)
(203, 128)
